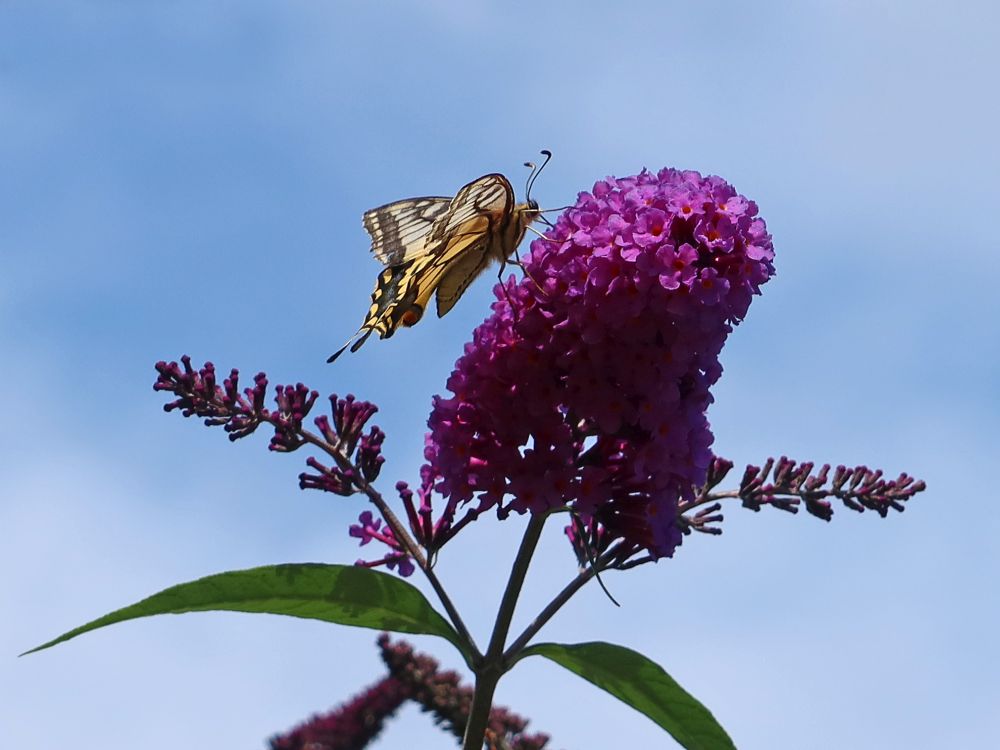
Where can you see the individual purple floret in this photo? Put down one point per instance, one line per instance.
(370, 528)
(590, 387)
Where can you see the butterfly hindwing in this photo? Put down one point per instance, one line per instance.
(459, 274)
(393, 305)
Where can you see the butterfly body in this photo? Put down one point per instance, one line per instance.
(438, 246)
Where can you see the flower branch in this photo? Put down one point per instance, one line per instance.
(786, 485)
(357, 456)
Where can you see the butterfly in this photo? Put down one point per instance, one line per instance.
(438, 246)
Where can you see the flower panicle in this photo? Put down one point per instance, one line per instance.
(431, 533)
(785, 484)
(351, 726)
(412, 676)
(591, 541)
(442, 695)
(369, 454)
(717, 471)
(780, 483)
(588, 385)
(349, 419)
(357, 468)
(357, 456)
(343, 433)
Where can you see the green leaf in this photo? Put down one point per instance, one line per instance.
(344, 594)
(642, 684)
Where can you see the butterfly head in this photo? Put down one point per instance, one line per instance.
(528, 212)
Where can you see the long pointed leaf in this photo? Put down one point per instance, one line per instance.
(342, 594)
(642, 684)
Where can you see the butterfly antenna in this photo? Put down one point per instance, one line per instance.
(527, 183)
(535, 171)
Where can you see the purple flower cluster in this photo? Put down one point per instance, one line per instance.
(589, 387)
(345, 437)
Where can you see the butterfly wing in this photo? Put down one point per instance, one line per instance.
(399, 230)
(490, 197)
(457, 276)
(478, 214)
(391, 304)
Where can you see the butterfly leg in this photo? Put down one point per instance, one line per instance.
(517, 262)
(503, 288)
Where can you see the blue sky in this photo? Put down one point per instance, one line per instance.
(189, 178)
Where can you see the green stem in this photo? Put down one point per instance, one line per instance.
(479, 712)
(492, 666)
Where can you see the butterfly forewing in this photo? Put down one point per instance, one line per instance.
(491, 196)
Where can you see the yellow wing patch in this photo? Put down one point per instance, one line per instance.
(438, 245)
